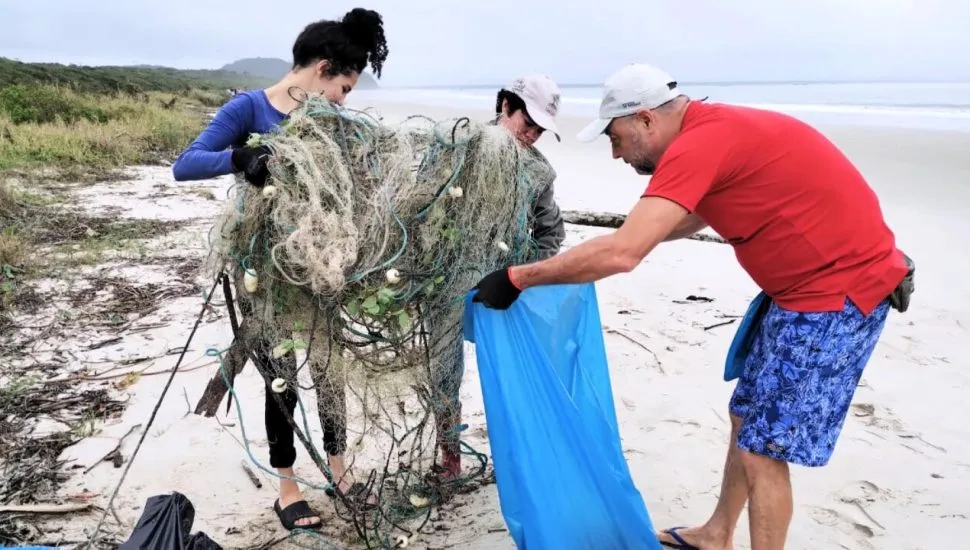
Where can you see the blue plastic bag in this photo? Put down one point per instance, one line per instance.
(744, 337)
(563, 481)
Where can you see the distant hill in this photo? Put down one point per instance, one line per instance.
(122, 79)
(274, 68)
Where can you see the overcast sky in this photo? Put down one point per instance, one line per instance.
(441, 42)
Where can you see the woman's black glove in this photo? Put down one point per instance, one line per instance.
(251, 161)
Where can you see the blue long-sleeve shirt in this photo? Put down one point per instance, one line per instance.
(210, 155)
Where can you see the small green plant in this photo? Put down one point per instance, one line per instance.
(382, 305)
(6, 279)
(450, 234)
(430, 286)
(286, 346)
(14, 390)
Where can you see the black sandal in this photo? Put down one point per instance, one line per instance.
(294, 513)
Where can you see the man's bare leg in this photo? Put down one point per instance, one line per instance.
(718, 532)
(770, 510)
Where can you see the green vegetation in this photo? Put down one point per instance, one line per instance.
(93, 120)
(47, 126)
(123, 80)
(63, 125)
(62, 128)
(274, 69)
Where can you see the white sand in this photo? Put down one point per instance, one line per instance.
(898, 480)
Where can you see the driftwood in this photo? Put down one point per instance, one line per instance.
(216, 389)
(43, 508)
(613, 221)
(252, 475)
(114, 455)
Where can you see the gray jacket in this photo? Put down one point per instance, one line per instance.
(548, 229)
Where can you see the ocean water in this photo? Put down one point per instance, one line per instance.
(926, 105)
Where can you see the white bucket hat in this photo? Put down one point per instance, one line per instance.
(542, 97)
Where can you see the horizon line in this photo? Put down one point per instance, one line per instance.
(716, 83)
(753, 82)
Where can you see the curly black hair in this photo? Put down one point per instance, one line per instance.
(347, 44)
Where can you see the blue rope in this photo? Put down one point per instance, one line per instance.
(215, 352)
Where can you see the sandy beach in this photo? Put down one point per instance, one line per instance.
(897, 480)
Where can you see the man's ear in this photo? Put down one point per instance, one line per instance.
(646, 117)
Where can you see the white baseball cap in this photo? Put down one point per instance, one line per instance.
(630, 89)
(541, 96)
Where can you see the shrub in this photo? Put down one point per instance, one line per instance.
(23, 104)
(61, 128)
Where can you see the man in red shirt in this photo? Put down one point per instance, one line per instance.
(809, 231)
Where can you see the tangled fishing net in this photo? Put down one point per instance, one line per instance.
(357, 256)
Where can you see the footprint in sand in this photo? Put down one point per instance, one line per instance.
(880, 418)
(883, 419)
(860, 533)
(854, 511)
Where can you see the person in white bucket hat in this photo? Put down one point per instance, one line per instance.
(527, 108)
(807, 228)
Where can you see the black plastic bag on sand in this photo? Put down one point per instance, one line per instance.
(165, 524)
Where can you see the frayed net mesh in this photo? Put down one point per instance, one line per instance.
(351, 268)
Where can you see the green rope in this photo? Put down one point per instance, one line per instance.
(317, 537)
(446, 264)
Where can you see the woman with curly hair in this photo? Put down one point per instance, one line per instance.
(328, 57)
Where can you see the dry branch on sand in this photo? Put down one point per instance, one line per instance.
(43, 409)
(614, 221)
(54, 140)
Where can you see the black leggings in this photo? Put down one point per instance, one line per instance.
(331, 404)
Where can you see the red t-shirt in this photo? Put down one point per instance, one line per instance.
(803, 222)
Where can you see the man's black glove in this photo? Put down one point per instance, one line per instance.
(496, 290)
(251, 161)
(899, 299)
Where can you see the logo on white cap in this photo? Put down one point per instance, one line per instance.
(541, 97)
(630, 89)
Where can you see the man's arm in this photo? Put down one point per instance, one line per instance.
(690, 225)
(549, 230)
(690, 167)
(647, 225)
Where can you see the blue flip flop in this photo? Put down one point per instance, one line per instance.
(681, 543)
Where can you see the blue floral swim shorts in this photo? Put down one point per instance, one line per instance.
(799, 378)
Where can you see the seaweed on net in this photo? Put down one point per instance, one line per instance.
(358, 253)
